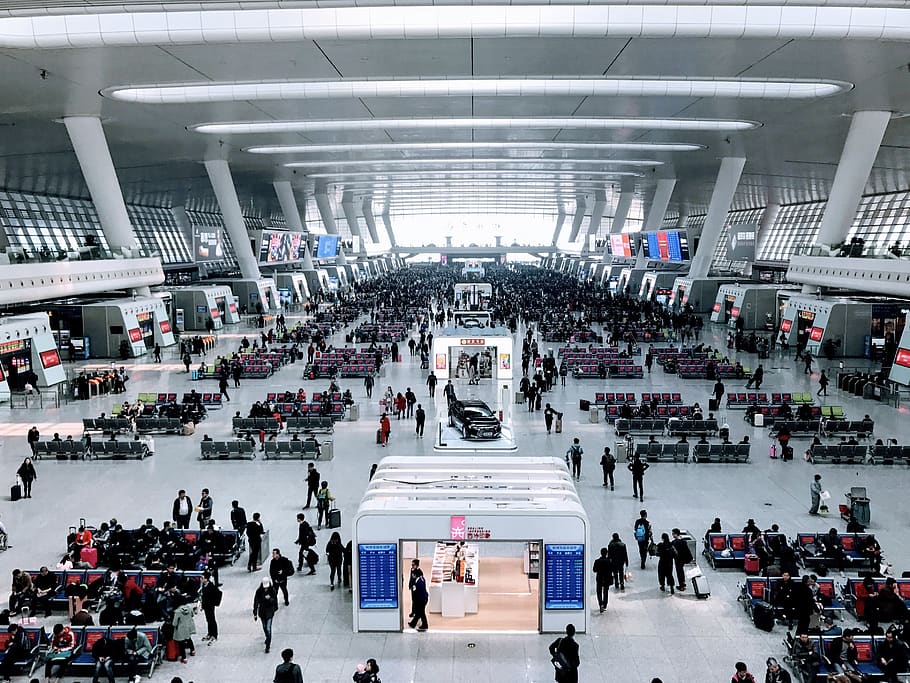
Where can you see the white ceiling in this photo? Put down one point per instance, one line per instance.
(791, 158)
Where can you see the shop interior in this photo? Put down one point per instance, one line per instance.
(460, 360)
(476, 585)
(16, 363)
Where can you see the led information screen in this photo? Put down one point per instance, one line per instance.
(621, 245)
(326, 246)
(564, 576)
(378, 566)
(667, 245)
(902, 358)
(280, 247)
(209, 245)
(50, 359)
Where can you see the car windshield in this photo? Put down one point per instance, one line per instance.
(477, 411)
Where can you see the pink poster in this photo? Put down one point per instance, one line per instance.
(457, 527)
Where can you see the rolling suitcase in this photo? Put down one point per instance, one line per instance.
(334, 520)
(699, 582)
(713, 405)
(763, 615)
(15, 492)
(90, 557)
(265, 550)
(758, 420)
(752, 565)
(559, 425)
(378, 436)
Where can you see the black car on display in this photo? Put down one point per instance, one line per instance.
(475, 419)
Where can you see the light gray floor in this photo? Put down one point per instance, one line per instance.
(643, 633)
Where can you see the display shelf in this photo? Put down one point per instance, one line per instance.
(453, 580)
(532, 560)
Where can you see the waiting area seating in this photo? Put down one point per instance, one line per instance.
(856, 595)
(721, 453)
(621, 368)
(118, 450)
(682, 426)
(257, 370)
(695, 369)
(38, 641)
(811, 551)
(118, 425)
(797, 427)
(306, 449)
(82, 661)
(835, 426)
(726, 551)
(663, 452)
(743, 400)
(838, 454)
(637, 426)
(62, 450)
(762, 589)
(224, 450)
(866, 659)
(311, 424)
(213, 400)
(158, 425)
(246, 425)
(889, 455)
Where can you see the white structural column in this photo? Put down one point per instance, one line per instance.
(581, 208)
(367, 209)
(626, 195)
(341, 259)
(863, 140)
(325, 209)
(768, 218)
(288, 204)
(731, 169)
(661, 201)
(560, 221)
(94, 158)
(350, 215)
(597, 214)
(387, 222)
(223, 185)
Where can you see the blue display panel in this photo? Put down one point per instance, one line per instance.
(667, 245)
(327, 246)
(378, 574)
(564, 576)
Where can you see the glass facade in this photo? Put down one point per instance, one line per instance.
(49, 228)
(159, 234)
(748, 216)
(883, 221)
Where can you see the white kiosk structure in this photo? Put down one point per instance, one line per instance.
(447, 500)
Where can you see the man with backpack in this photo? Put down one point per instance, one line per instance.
(608, 463)
(288, 671)
(280, 569)
(210, 598)
(306, 539)
(643, 535)
(638, 467)
(574, 455)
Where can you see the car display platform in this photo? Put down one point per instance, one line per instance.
(449, 440)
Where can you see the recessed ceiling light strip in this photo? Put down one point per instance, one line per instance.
(449, 123)
(480, 162)
(181, 26)
(464, 146)
(245, 91)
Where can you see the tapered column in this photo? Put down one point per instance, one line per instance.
(223, 184)
(731, 169)
(325, 210)
(659, 204)
(288, 203)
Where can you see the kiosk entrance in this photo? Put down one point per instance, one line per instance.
(490, 348)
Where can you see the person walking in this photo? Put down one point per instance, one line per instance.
(758, 376)
(419, 599)
(549, 414)
(638, 467)
(223, 387)
(619, 561)
(573, 455)
(157, 353)
(280, 570)
(603, 575)
(564, 653)
(719, 391)
(666, 556)
(368, 384)
(187, 361)
(185, 629)
(815, 492)
(334, 553)
(643, 535)
(306, 539)
(431, 384)
(312, 483)
(385, 429)
(420, 415)
(288, 671)
(210, 598)
(608, 464)
(27, 474)
(254, 532)
(182, 510)
(807, 359)
(822, 384)
(265, 604)
(649, 359)
(34, 436)
(324, 500)
(410, 398)
(683, 557)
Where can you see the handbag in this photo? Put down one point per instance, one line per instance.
(559, 661)
(652, 549)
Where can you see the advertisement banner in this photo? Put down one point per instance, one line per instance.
(208, 243)
(51, 358)
(741, 242)
(165, 326)
(441, 361)
(505, 361)
(135, 335)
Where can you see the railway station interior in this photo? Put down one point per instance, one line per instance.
(236, 238)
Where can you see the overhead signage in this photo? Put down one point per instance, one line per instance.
(208, 243)
(473, 342)
(135, 335)
(281, 247)
(49, 359)
(807, 315)
(621, 245)
(326, 246)
(741, 241)
(143, 317)
(12, 346)
(378, 575)
(815, 334)
(165, 326)
(564, 576)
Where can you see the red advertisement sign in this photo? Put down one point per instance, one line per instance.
(786, 325)
(233, 308)
(165, 326)
(903, 357)
(717, 307)
(215, 313)
(2, 376)
(734, 312)
(136, 334)
(815, 334)
(457, 528)
(49, 359)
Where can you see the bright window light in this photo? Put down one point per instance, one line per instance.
(480, 229)
(245, 91)
(479, 173)
(467, 146)
(450, 123)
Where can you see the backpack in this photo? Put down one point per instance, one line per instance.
(217, 595)
(641, 532)
(310, 537)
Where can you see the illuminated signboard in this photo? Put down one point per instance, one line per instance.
(143, 317)
(136, 334)
(473, 342)
(215, 312)
(165, 326)
(807, 315)
(815, 334)
(621, 245)
(902, 358)
(50, 359)
(734, 312)
(786, 325)
(716, 307)
(666, 245)
(12, 346)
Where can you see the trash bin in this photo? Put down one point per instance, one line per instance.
(353, 412)
(326, 450)
(594, 414)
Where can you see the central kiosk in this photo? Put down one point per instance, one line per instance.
(503, 543)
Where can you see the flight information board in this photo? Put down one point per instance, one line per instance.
(378, 574)
(667, 245)
(564, 576)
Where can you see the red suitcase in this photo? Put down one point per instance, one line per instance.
(172, 651)
(752, 565)
(90, 557)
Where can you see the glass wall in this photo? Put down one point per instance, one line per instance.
(159, 234)
(49, 228)
(883, 221)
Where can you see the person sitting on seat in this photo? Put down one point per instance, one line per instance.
(891, 656)
(22, 591)
(842, 656)
(833, 549)
(785, 411)
(804, 412)
(18, 647)
(59, 653)
(751, 528)
(744, 440)
(805, 656)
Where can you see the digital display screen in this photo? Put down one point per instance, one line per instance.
(136, 334)
(807, 315)
(326, 246)
(734, 312)
(666, 245)
(378, 573)
(209, 245)
(564, 585)
(902, 358)
(716, 308)
(621, 245)
(49, 359)
(786, 325)
(280, 247)
(165, 326)
(815, 334)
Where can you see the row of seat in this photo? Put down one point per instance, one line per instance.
(889, 455)
(728, 551)
(608, 397)
(760, 588)
(613, 412)
(834, 426)
(223, 450)
(313, 408)
(691, 427)
(250, 371)
(699, 370)
(742, 400)
(299, 449)
(312, 424)
(811, 551)
(855, 594)
(838, 454)
(625, 426)
(230, 551)
(317, 396)
(866, 648)
(662, 452)
(118, 450)
(59, 448)
(774, 413)
(727, 452)
(81, 657)
(119, 425)
(213, 400)
(796, 427)
(321, 370)
(614, 370)
(158, 425)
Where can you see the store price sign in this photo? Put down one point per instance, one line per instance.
(378, 574)
(564, 576)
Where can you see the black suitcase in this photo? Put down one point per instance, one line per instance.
(15, 492)
(763, 616)
(334, 520)
(378, 436)
(584, 404)
(713, 405)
